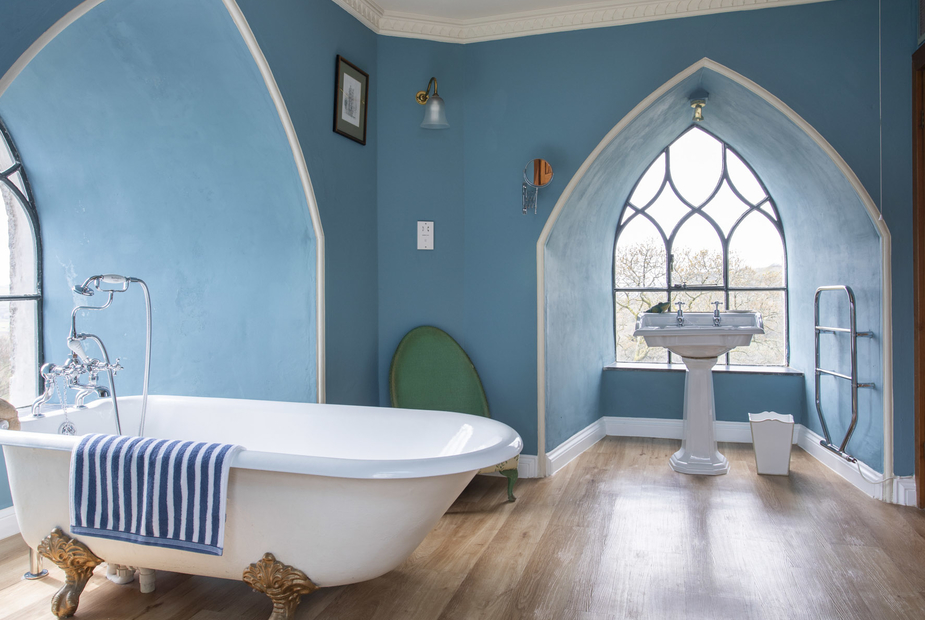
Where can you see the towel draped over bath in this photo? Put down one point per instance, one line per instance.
(158, 492)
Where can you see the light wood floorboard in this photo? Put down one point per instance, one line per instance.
(615, 534)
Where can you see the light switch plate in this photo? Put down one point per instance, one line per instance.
(425, 235)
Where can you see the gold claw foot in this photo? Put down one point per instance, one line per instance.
(284, 584)
(77, 562)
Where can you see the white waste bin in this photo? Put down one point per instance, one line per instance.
(772, 436)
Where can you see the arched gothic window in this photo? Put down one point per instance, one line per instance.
(20, 280)
(699, 227)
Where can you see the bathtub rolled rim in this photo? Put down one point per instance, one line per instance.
(510, 446)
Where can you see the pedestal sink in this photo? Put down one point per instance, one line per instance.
(699, 341)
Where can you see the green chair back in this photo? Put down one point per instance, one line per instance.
(431, 371)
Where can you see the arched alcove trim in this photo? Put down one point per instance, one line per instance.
(872, 211)
(235, 11)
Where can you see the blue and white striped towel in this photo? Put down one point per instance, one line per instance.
(159, 492)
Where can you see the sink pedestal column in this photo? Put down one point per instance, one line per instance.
(698, 453)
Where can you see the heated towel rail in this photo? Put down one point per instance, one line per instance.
(853, 335)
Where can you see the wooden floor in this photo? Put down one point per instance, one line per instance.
(616, 534)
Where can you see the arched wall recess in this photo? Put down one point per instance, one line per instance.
(640, 141)
(270, 82)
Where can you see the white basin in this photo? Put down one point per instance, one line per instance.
(699, 342)
(698, 337)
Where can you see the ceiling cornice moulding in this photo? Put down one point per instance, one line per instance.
(574, 17)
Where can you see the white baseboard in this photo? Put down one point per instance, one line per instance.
(733, 432)
(902, 488)
(9, 526)
(572, 447)
(526, 466)
(904, 491)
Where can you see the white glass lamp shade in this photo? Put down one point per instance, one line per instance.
(435, 114)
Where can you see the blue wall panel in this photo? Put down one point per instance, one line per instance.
(421, 175)
(300, 41)
(24, 22)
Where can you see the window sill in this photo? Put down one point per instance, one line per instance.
(746, 370)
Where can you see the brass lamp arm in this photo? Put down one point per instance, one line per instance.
(423, 95)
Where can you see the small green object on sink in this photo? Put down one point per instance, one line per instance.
(659, 308)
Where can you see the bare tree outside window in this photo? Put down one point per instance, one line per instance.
(700, 227)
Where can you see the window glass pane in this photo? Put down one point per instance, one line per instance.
(756, 253)
(668, 210)
(6, 156)
(628, 307)
(639, 260)
(18, 359)
(696, 163)
(697, 254)
(17, 255)
(16, 178)
(697, 301)
(725, 208)
(770, 348)
(743, 179)
(649, 183)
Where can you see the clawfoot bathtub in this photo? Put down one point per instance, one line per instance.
(323, 495)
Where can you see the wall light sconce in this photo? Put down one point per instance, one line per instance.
(698, 101)
(537, 174)
(434, 108)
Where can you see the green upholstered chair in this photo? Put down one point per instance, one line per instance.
(431, 371)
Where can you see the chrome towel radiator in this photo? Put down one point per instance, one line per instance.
(853, 335)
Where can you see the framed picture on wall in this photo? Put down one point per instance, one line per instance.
(350, 100)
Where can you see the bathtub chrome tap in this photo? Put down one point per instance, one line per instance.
(86, 390)
(49, 376)
(111, 284)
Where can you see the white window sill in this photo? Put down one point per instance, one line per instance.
(753, 370)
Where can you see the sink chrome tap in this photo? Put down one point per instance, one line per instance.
(716, 317)
(680, 317)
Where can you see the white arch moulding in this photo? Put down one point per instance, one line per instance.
(872, 211)
(299, 158)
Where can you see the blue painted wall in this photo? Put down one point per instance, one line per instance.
(300, 41)
(736, 395)
(24, 22)
(421, 177)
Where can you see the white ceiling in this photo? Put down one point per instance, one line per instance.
(470, 21)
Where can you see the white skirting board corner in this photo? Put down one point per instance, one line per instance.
(9, 526)
(904, 491)
(526, 466)
(810, 442)
(572, 447)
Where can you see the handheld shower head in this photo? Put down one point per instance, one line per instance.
(84, 289)
(121, 282)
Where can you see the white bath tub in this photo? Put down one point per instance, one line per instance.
(343, 493)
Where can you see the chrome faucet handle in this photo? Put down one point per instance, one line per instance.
(716, 315)
(680, 312)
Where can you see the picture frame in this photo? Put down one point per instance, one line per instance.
(351, 97)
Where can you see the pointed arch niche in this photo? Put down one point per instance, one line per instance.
(270, 143)
(834, 236)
